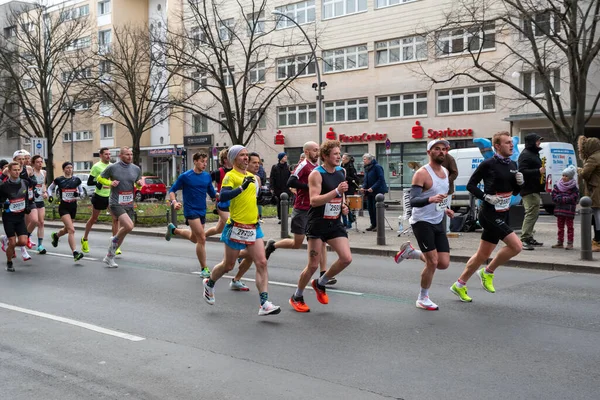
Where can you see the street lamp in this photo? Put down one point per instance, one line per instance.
(319, 86)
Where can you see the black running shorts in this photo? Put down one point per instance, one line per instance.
(14, 225)
(325, 230)
(299, 221)
(431, 237)
(68, 209)
(494, 226)
(99, 202)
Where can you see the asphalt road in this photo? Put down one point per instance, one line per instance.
(154, 337)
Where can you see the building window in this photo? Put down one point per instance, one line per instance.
(104, 67)
(198, 36)
(256, 23)
(199, 80)
(27, 84)
(533, 82)
(257, 72)
(199, 124)
(10, 31)
(295, 66)
(400, 50)
(223, 119)
(11, 108)
(104, 7)
(82, 166)
(75, 13)
(106, 131)
(80, 43)
(228, 76)
(347, 110)
(104, 40)
(463, 40)
(12, 133)
(257, 119)
(82, 105)
(402, 105)
(387, 3)
(466, 100)
(79, 136)
(339, 8)
(225, 28)
(302, 13)
(345, 59)
(297, 115)
(544, 23)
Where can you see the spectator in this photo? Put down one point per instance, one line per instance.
(530, 165)
(589, 152)
(280, 173)
(352, 179)
(263, 181)
(373, 184)
(565, 195)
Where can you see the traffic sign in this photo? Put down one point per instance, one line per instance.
(388, 152)
(388, 143)
(39, 146)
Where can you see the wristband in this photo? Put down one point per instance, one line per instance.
(338, 193)
(173, 201)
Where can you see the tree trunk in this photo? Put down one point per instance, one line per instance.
(135, 148)
(50, 165)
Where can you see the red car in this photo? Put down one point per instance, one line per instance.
(152, 186)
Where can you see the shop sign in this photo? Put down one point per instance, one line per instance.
(365, 137)
(279, 138)
(449, 132)
(161, 152)
(198, 140)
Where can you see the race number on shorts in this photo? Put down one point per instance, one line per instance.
(333, 208)
(241, 233)
(125, 198)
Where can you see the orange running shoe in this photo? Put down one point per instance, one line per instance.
(298, 304)
(320, 291)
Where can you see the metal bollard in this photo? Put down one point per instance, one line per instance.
(586, 228)
(380, 214)
(284, 215)
(173, 215)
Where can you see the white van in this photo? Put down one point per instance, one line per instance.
(558, 156)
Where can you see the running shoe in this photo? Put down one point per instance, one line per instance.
(205, 273)
(4, 240)
(118, 251)
(427, 304)
(487, 280)
(170, 232)
(270, 248)
(461, 293)
(320, 291)
(534, 242)
(85, 247)
(298, 304)
(9, 266)
(209, 293)
(331, 281)
(41, 249)
(55, 238)
(110, 261)
(30, 245)
(112, 247)
(239, 286)
(405, 251)
(24, 254)
(268, 309)
(77, 255)
(240, 259)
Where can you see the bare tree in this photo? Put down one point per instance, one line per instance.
(224, 52)
(133, 81)
(42, 63)
(541, 47)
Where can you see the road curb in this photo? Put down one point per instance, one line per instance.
(541, 265)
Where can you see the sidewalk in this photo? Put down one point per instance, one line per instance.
(462, 247)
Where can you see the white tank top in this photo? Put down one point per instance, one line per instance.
(434, 212)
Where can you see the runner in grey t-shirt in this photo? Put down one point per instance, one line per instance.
(122, 177)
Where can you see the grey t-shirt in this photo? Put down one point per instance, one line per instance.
(127, 175)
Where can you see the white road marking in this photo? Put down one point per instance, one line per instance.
(73, 322)
(70, 256)
(293, 285)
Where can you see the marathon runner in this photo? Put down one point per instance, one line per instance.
(99, 199)
(222, 208)
(327, 185)
(242, 230)
(501, 180)
(69, 190)
(121, 176)
(195, 185)
(15, 205)
(39, 195)
(299, 181)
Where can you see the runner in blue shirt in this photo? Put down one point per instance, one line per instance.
(195, 184)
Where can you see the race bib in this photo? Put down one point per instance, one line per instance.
(504, 203)
(67, 195)
(444, 204)
(38, 192)
(17, 205)
(333, 208)
(30, 193)
(125, 198)
(241, 233)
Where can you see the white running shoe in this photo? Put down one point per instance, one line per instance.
(25, 254)
(427, 304)
(112, 247)
(4, 240)
(110, 261)
(406, 250)
(209, 293)
(239, 286)
(268, 309)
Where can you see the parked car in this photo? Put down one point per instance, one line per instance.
(87, 190)
(152, 187)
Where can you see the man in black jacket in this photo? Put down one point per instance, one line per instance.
(530, 165)
(280, 173)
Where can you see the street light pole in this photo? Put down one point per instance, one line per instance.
(72, 114)
(319, 84)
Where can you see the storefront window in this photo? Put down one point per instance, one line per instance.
(400, 165)
(356, 151)
(293, 154)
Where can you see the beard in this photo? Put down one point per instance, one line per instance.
(439, 160)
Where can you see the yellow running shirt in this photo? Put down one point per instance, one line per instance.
(243, 208)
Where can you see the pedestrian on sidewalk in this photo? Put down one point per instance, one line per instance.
(565, 195)
(280, 173)
(373, 185)
(530, 165)
(352, 179)
(589, 152)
